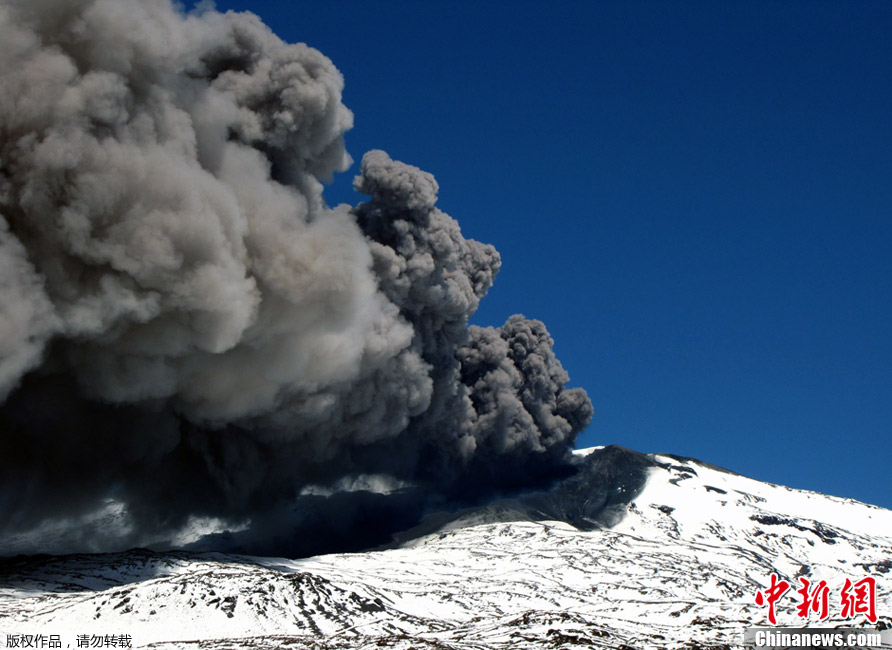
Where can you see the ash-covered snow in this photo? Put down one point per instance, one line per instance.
(636, 550)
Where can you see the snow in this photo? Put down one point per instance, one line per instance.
(681, 563)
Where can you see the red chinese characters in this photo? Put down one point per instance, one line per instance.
(863, 601)
(773, 594)
(855, 598)
(818, 599)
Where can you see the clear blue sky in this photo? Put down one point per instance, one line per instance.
(696, 198)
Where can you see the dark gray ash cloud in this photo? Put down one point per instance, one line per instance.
(187, 329)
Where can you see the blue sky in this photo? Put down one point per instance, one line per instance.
(696, 198)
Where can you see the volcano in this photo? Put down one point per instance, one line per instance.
(633, 550)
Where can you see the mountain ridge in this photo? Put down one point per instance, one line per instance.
(638, 550)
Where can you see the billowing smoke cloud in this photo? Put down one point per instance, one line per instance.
(187, 329)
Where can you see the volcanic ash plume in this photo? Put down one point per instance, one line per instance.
(187, 329)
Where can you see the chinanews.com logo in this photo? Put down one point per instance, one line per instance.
(816, 637)
(853, 599)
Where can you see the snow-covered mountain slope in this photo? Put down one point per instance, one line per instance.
(634, 550)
